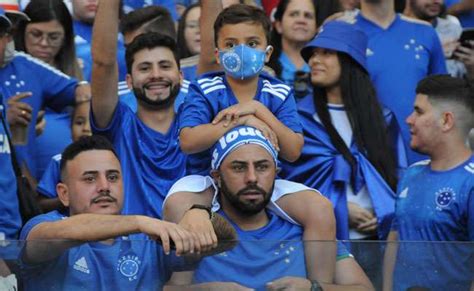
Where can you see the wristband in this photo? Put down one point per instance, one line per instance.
(203, 207)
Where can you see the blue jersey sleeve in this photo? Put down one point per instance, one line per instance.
(470, 215)
(288, 114)
(196, 109)
(58, 88)
(51, 177)
(113, 129)
(47, 217)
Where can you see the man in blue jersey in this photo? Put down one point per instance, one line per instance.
(96, 248)
(401, 51)
(146, 141)
(143, 20)
(436, 197)
(271, 251)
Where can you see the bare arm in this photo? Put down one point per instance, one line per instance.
(349, 276)
(104, 65)
(389, 260)
(48, 240)
(182, 281)
(461, 7)
(290, 143)
(315, 213)
(202, 137)
(209, 11)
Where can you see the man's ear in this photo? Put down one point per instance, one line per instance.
(128, 78)
(216, 175)
(448, 121)
(63, 193)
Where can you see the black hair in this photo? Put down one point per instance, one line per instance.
(151, 18)
(241, 13)
(365, 116)
(445, 88)
(276, 40)
(85, 143)
(183, 49)
(45, 11)
(149, 40)
(326, 8)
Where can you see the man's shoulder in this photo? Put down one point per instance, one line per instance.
(414, 21)
(210, 82)
(275, 87)
(32, 63)
(42, 218)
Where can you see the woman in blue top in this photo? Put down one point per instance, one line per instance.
(351, 142)
(294, 26)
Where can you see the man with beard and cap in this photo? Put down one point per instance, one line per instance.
(146, 141)
(94, 247)
(270, 252)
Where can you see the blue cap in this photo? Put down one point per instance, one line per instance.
(237, 137)
(342, 37)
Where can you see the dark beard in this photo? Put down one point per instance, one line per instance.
(245, 208)
(420, 13)
(158, 104)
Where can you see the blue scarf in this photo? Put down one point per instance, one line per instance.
(322, 167)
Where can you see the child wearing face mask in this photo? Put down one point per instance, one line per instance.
(217, 102)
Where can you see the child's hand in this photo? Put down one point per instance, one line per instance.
(268, 133)
(234, 112)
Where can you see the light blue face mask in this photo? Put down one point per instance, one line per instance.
(242, 62)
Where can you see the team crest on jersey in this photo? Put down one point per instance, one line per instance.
(129, 266)
(231, 61)
(444, 198)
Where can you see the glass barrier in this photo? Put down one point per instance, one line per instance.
(124, 264)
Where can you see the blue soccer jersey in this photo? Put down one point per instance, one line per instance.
(53, 89)
(54, 139)
(130, 263)
(435, 206)
(10, 220)
(83, 41)
(151, 161)
(398, 57)
(262, 255)
(288, 69)
(211, 94)
(130, 5)
(322, 167)
(51, 177)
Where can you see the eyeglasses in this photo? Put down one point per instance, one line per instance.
(53, 39)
